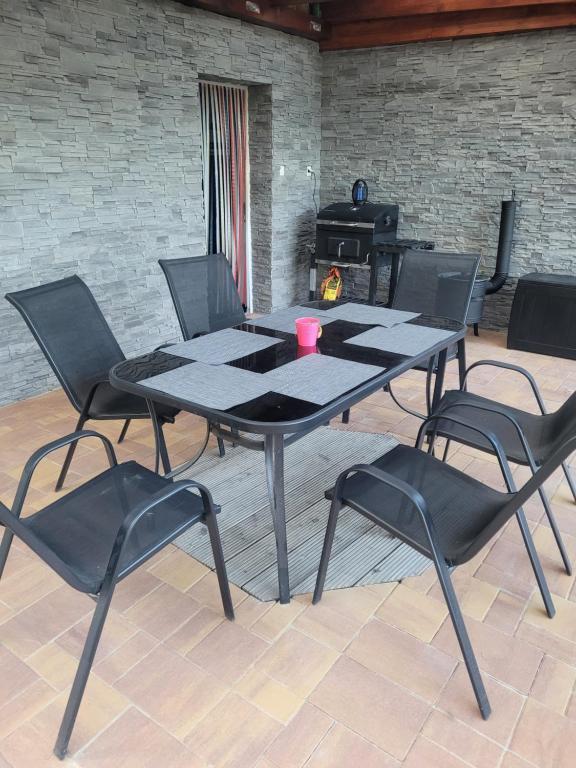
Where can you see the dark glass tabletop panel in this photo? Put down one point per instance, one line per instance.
(272, 407)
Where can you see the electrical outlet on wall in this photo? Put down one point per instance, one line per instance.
(309, 171)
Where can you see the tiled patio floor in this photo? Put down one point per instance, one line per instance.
(371, 677)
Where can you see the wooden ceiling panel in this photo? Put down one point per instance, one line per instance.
(442, 26)
(348, 24)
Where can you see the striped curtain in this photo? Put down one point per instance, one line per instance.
(224, 157)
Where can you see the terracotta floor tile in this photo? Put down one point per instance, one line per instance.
(509, 659)
(564, 622)
(458, 701)
(179, 570)
(298, 662)
(512, 760)
(475, 596)
(171, 690)
(277, 619)
(426, 753)
(135, 741)
(462, 741)
(418, 614)
(402, 658)
(233, 735)
(343, 749)
(549, 643)
(55, 665)
(101, 704)
(228, 652)
(294, 745)
(126, 656)
(274, 698)
(544, 737)
(14, 674)
(162, 611)
(505, 613)
(29, 747)
(554, 684)
(369, 704)
(25, 705)
(198, 626)
(133, 588)
(27, 585)
(207, 592)
(247, 613)
(43, 621)
(117, 630)
(357, 603)
(327, 626)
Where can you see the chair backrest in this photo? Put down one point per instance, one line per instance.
(436, 283)
(204, 293)
(72, 332)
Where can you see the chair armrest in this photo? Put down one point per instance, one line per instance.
(413, 496)
(517, 369)
(490, 436)
(501, 412)
(41, 453)
(144, 508)
(163, 346)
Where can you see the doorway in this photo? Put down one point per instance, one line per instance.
(226, 178)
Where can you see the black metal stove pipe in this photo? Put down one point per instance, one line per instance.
(507, 217)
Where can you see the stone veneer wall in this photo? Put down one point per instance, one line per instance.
(100, 158)
(447, 129)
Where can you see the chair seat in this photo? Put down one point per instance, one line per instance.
(81, 527)
(111, 403)
(538, 429)
(464, 510)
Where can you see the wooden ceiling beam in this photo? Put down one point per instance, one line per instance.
(261, 12)
(442, 26)
(344, 11)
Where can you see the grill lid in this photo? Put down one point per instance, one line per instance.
(385, 215)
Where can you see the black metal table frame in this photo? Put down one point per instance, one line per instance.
(274, 433)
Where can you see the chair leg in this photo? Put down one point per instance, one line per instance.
(82, 674)
(446, 449)
(555, 531)
(219, 562)
(69, 456)
(570, 479)
(463, 639)
(335, 508)
(124, 430)
(346, 417)
(161, 449)
(221, 448)
(5, 548)
(536, 564)
(476, 332)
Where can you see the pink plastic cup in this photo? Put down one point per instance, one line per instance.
(308, 331)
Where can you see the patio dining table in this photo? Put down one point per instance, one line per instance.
(256, 380)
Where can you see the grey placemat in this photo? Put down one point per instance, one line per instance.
(213, 386)
(404, 339)
(369, 315)
(284, 319)
(221, 346)
(319, 378)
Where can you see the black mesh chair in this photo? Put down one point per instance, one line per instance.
(205, 298)
(102, 531)
(77, 341)
(442, 513)
(438, 284)
(528, 439)
(204, 293)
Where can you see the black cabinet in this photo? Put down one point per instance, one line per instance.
(543, 315)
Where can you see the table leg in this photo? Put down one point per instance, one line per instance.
(373, 287)
(462, 363)
(274, 458)
(439, 383)
(394, 269)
